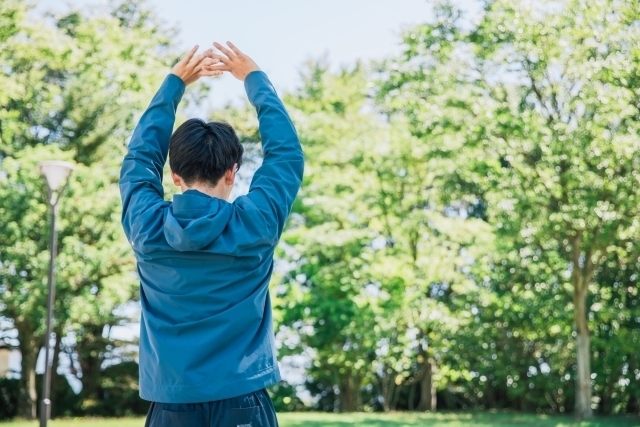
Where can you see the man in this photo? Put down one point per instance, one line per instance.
(206, 337)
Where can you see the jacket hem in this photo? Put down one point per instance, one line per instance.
(198, 393)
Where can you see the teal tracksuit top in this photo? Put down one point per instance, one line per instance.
(204, 264)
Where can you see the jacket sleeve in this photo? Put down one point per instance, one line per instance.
(141, 172)
(276, 183)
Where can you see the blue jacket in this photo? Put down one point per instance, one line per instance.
(204, 264)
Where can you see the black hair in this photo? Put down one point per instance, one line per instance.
(203, 152)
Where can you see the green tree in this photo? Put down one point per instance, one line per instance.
(74, 83)
(382, 270)
(93, 269)
(323, 300)
(538, 105)
(62, 79)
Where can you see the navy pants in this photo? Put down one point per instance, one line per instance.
(249, 410)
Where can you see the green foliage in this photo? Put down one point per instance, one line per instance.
(381, 266)
(73, 84)
(285, 398)
(119, 392)
(92, 257)
(8, 398)
(65, 401)
(534, 106)
(78, 80)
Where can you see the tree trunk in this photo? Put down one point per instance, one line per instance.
(581, 277)
(29, 350)
(608, 390)
(349, 393)
(428, 398)
(633, 406)
(583, 379)
(90, 351)
(388, 389)
(412, 396)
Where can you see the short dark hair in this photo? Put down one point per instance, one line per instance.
(203, 152)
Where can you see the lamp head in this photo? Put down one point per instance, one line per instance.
(55, 172)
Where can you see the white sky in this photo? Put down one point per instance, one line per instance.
(281, 35)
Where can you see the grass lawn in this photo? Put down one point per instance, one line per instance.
(481, 419)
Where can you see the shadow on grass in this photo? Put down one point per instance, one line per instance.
(400, 419)
(483, 419)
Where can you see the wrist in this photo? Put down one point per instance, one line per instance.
(251, 72)
(179, 77)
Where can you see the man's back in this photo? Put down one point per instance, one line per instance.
(206, 323)
(204, 263)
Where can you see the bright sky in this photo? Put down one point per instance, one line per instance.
(281, 35)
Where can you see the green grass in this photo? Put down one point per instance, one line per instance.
(482, 419)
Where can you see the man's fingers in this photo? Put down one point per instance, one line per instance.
(189, 55)
(221, 67)
(234, 49)
(212, 69)
(209, 73)
(224, 50)
(221, 58)
(198, 59)
(210, 61)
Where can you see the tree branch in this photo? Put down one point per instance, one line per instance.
(536, 90)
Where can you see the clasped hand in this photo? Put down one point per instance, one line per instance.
(191, 67)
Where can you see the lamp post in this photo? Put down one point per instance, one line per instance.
(56, 176)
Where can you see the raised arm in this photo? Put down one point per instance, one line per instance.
(276, 183)
(141, 172)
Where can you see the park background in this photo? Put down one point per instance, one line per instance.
(465, 238)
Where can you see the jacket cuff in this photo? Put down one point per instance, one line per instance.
(173, 87)
(254, 81)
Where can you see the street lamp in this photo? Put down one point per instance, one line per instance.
(56, 176)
